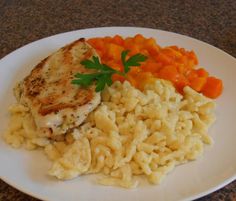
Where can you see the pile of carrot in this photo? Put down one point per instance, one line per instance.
(171, 63)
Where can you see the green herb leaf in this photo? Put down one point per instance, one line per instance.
(104, 79)
(104, 73)
(84, 79)
(135, 60)
(92, 64)
(100, 85)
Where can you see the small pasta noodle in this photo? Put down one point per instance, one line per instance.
(130, 133)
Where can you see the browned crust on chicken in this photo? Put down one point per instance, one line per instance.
(35, 84)
(56, 104)
(85, 95)
(48, 94)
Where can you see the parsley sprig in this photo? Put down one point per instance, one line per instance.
(104, 73)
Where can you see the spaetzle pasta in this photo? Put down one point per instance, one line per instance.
(130, 133)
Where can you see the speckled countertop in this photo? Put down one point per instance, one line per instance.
(24, 21)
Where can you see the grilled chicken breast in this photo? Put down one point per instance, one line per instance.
(55, 104)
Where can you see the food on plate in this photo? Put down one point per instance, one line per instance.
(129, 133)
(132, 114)
(55, 104)
(103, 73)
(171, 63)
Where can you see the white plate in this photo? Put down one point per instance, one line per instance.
(26, 170)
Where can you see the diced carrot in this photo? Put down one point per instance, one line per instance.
(197, 83)
(118, 40)
(175, 52)
(116, 77)
(168, 52)
(114, 64)
(114, 51)
(134, 50)
(144, 52)
(169, 73)
(171, 63)
(189, 63)
(181, 83)
(202, 72)
(150, 42)
(128, 43)
(164, 59)
(132, 80)
(213, 87)
(153, 51)
(191, 74)
(152, 47)
(181, 68)
(139, 39)
(174, 47)
(135, 70)
(92, 41)
(193, 56)
(182, 59)
(107, 39)
(182, 50)
(151, 66)
(142, 78)
(99, 44)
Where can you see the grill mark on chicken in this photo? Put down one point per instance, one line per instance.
(55, 108)
(36, 83)
(83, 96)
